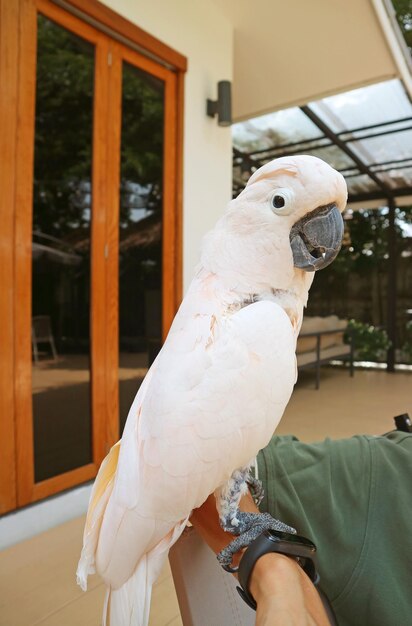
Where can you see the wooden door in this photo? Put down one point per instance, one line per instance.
(75, 89)
(143, 224)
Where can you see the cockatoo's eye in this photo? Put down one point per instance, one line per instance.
(278, 201)
(281, 201)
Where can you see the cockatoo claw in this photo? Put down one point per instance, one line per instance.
(250, 526)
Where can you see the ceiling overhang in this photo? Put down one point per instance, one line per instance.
(290, 53)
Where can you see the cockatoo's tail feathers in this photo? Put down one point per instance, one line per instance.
(129, 605)
(99, 497)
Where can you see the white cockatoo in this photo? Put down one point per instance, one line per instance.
(219, 386)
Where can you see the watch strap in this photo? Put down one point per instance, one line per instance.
(265, 544)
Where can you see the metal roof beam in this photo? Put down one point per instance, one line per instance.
(392, 162)
(381, 134)
(377, 195)
(370, 126)
(328, 132)
(302, 143)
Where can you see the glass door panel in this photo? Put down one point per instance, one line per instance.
(62, 200)
(104, 132)
(140, 229)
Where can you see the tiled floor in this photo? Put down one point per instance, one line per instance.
(37, 585)
(344, 406)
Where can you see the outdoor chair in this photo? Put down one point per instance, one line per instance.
(41, 332)
(206, 594)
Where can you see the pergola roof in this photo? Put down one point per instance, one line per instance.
(365, 133)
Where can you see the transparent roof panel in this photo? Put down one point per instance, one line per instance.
(275, 129)
(373, 123)
(360, 184)
(332, 154)
(367, 106)
(384, 148)
(397, 178)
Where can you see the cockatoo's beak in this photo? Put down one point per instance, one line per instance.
(316, 238)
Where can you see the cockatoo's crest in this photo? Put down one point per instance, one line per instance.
(311, 181)
(271, 169)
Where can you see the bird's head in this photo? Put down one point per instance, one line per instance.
(304, 196)
(286, 222)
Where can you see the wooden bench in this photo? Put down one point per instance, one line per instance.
(327, 344)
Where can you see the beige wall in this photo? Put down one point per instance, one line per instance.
(196, 29)
(289, 52)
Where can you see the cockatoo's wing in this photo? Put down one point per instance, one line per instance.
(216, 394)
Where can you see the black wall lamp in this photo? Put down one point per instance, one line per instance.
(222, 107)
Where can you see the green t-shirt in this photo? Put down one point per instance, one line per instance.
(353, 498)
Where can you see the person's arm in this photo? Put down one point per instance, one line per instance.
(284, 594)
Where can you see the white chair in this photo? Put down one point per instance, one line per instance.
(41, 332)
(206, 594)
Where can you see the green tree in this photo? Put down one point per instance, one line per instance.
(64, 134)
(360, 271)
(403, 9)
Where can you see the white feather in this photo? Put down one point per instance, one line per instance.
(214, 395)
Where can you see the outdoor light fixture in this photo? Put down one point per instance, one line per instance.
(223, 105)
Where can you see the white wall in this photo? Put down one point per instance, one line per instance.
(199, 31)
(39, 517)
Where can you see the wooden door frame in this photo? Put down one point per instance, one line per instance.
(9, 56)
(171, 222)
(16, 403)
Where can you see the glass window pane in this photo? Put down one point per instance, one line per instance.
(140, 230)
(61, 251)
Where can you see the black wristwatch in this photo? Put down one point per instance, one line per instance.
(295, 546)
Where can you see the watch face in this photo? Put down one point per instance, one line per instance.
(277, 535)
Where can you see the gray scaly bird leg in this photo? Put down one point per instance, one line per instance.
(251, 525)
(228, 498)
(256, 489)
(247, 526)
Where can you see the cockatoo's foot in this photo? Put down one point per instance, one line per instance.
(256, 489)
(248, 527)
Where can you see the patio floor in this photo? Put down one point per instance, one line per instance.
(37, 577)
(344, 406)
